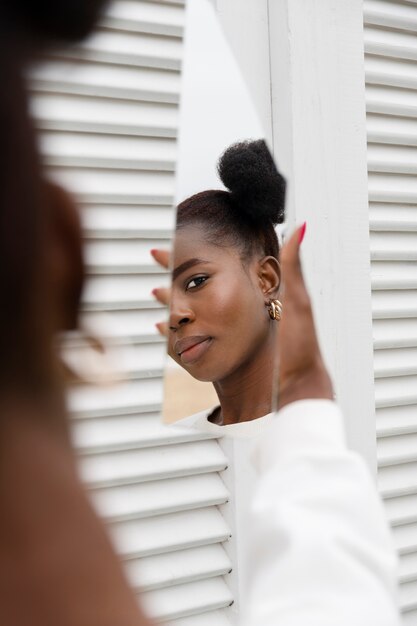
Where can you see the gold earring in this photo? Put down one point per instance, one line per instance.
(275, 310)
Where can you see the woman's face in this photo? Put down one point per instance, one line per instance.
(218, 319)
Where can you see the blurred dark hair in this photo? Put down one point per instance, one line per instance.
(26, 313)
(246, 214)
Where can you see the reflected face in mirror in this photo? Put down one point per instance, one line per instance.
(225, 274)
(220, 328)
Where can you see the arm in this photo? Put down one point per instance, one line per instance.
(58, 566)
(322, 553)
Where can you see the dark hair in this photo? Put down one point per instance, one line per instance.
(245, 215)
(26, 314)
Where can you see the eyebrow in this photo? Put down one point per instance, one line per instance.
(185, 266)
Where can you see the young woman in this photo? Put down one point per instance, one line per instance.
(225, 284)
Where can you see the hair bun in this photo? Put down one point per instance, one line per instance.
(249, 172)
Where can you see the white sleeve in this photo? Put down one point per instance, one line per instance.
(321, 553)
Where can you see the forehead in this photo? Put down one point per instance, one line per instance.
(192, 242)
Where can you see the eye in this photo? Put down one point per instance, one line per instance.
(195, 282)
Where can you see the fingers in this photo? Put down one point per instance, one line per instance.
(162, 294)
(302, 373)
(162, 328)
(290, 257)
(162, 257)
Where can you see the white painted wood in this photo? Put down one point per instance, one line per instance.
(190, 599)
(107, 112)
(391, 74)
(318, 108)
(246, 25)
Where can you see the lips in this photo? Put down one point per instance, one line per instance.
(187, 343)
(191, 349)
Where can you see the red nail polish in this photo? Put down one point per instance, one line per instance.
(302, 233)
(153, 251)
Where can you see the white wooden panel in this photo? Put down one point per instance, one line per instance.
(405, 538)
(167, 533)
(72, 113)
(394, 304)
(408, 567)
(127, 432)
(127, 48)
(396, 420)
(160, 497)
(173, 568)
(119, 398)
(391, 86)
(134, 251)
(93, 79)
(128, 289)
(398, 479)
(390, 43)
(385, 130)
(109, 151)
(107, 111)
(389, 334)
(205, 619)
(165, 18)
(408, 594)
(398, 449)
(401, 362)
(399, 15)
(392, 217)
(392, 158)
(152, 463)
(133, 323)
(402, 510)
(185, 600)
(391, 73)
(100, 184)
(395, 391)
(380, 99)
(108, 219)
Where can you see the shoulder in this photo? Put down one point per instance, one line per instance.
(197, 420)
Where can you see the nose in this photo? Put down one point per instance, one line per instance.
(180, 313)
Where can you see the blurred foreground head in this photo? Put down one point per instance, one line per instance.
(40, 247)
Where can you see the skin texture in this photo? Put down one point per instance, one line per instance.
(57, 564)
(54, 551)
(301, 373)
(224, 300)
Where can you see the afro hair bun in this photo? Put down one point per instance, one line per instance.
(257, 189)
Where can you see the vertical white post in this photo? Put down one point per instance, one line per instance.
(319, 138)
(245, 23)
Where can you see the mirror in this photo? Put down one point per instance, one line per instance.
(229, 327)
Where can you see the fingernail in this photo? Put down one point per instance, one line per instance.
(154, 292)
(302, 233)
(153, 251)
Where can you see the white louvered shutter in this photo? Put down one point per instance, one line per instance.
(391, 92)
(108, 114)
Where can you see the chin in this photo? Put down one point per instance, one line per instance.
(206, 373)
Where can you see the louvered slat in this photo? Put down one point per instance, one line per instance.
(391, 94)
(107, 111)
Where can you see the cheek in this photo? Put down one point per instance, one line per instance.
(240, 307)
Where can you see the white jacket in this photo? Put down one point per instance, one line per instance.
(321, 553)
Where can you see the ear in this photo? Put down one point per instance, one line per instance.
(269, 275)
